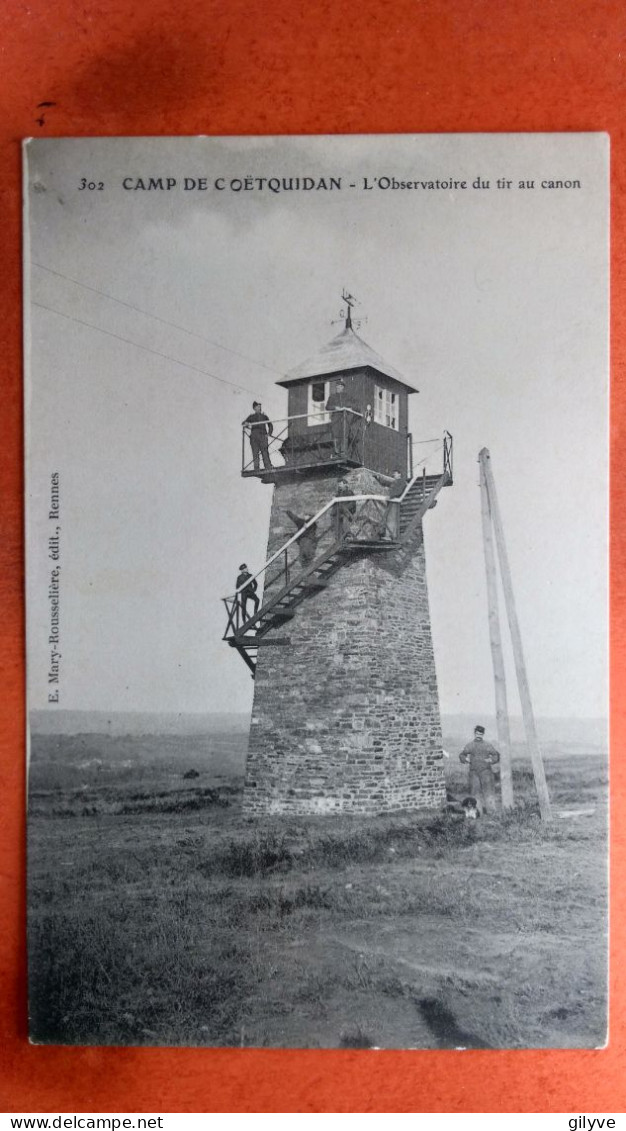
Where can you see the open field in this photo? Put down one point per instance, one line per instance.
(158, 915)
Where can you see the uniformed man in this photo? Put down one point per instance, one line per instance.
(259, 428)
(248, 593)
(396, 486)
(343, 510)
(481, 756)
(339, 421)
(308, 541)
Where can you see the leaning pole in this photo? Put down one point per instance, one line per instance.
(495, 638)
(516, 640)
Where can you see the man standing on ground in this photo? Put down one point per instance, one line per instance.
(481, 756)
(259, 428)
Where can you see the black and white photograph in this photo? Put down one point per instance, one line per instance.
(316, 527)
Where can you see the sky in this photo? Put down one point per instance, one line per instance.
(154, 318)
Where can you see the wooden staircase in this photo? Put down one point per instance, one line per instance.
(279, 608)
(422, 490)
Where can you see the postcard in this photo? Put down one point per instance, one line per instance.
(316, 472)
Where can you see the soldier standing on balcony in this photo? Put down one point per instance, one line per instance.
(259, 428)
(339, 422)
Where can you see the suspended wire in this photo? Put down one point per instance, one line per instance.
(165, 322)
(157, 318)
(148, 349)
(430, 454)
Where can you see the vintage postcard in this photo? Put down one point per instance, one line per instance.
(316, 590)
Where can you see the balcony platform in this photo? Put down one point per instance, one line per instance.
(289, 472)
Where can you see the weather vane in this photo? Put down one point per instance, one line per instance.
(346, 315)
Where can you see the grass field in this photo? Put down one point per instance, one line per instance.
(158, 915)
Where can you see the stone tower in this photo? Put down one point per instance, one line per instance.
(346, 713)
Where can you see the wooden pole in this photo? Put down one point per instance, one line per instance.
(516, 640)
(497, 657)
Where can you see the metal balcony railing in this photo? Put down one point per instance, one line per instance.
(297, 442)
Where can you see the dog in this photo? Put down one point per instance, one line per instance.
(470, 808)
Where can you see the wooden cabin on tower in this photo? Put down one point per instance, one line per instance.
(346, 714)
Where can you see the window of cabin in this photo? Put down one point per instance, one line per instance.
(319, 392)
(386, 408)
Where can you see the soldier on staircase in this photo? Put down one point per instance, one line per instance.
(248, 593)
(396, 485)
(307, 541)
(343, 510)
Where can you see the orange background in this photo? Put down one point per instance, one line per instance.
(295, 66)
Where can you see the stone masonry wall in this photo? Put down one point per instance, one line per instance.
(346, 717)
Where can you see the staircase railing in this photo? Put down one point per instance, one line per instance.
(446, 447)
(447, 453)
(233, 601)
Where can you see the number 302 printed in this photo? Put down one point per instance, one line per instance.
(91, 185)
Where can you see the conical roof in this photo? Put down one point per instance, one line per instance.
(346, 351)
